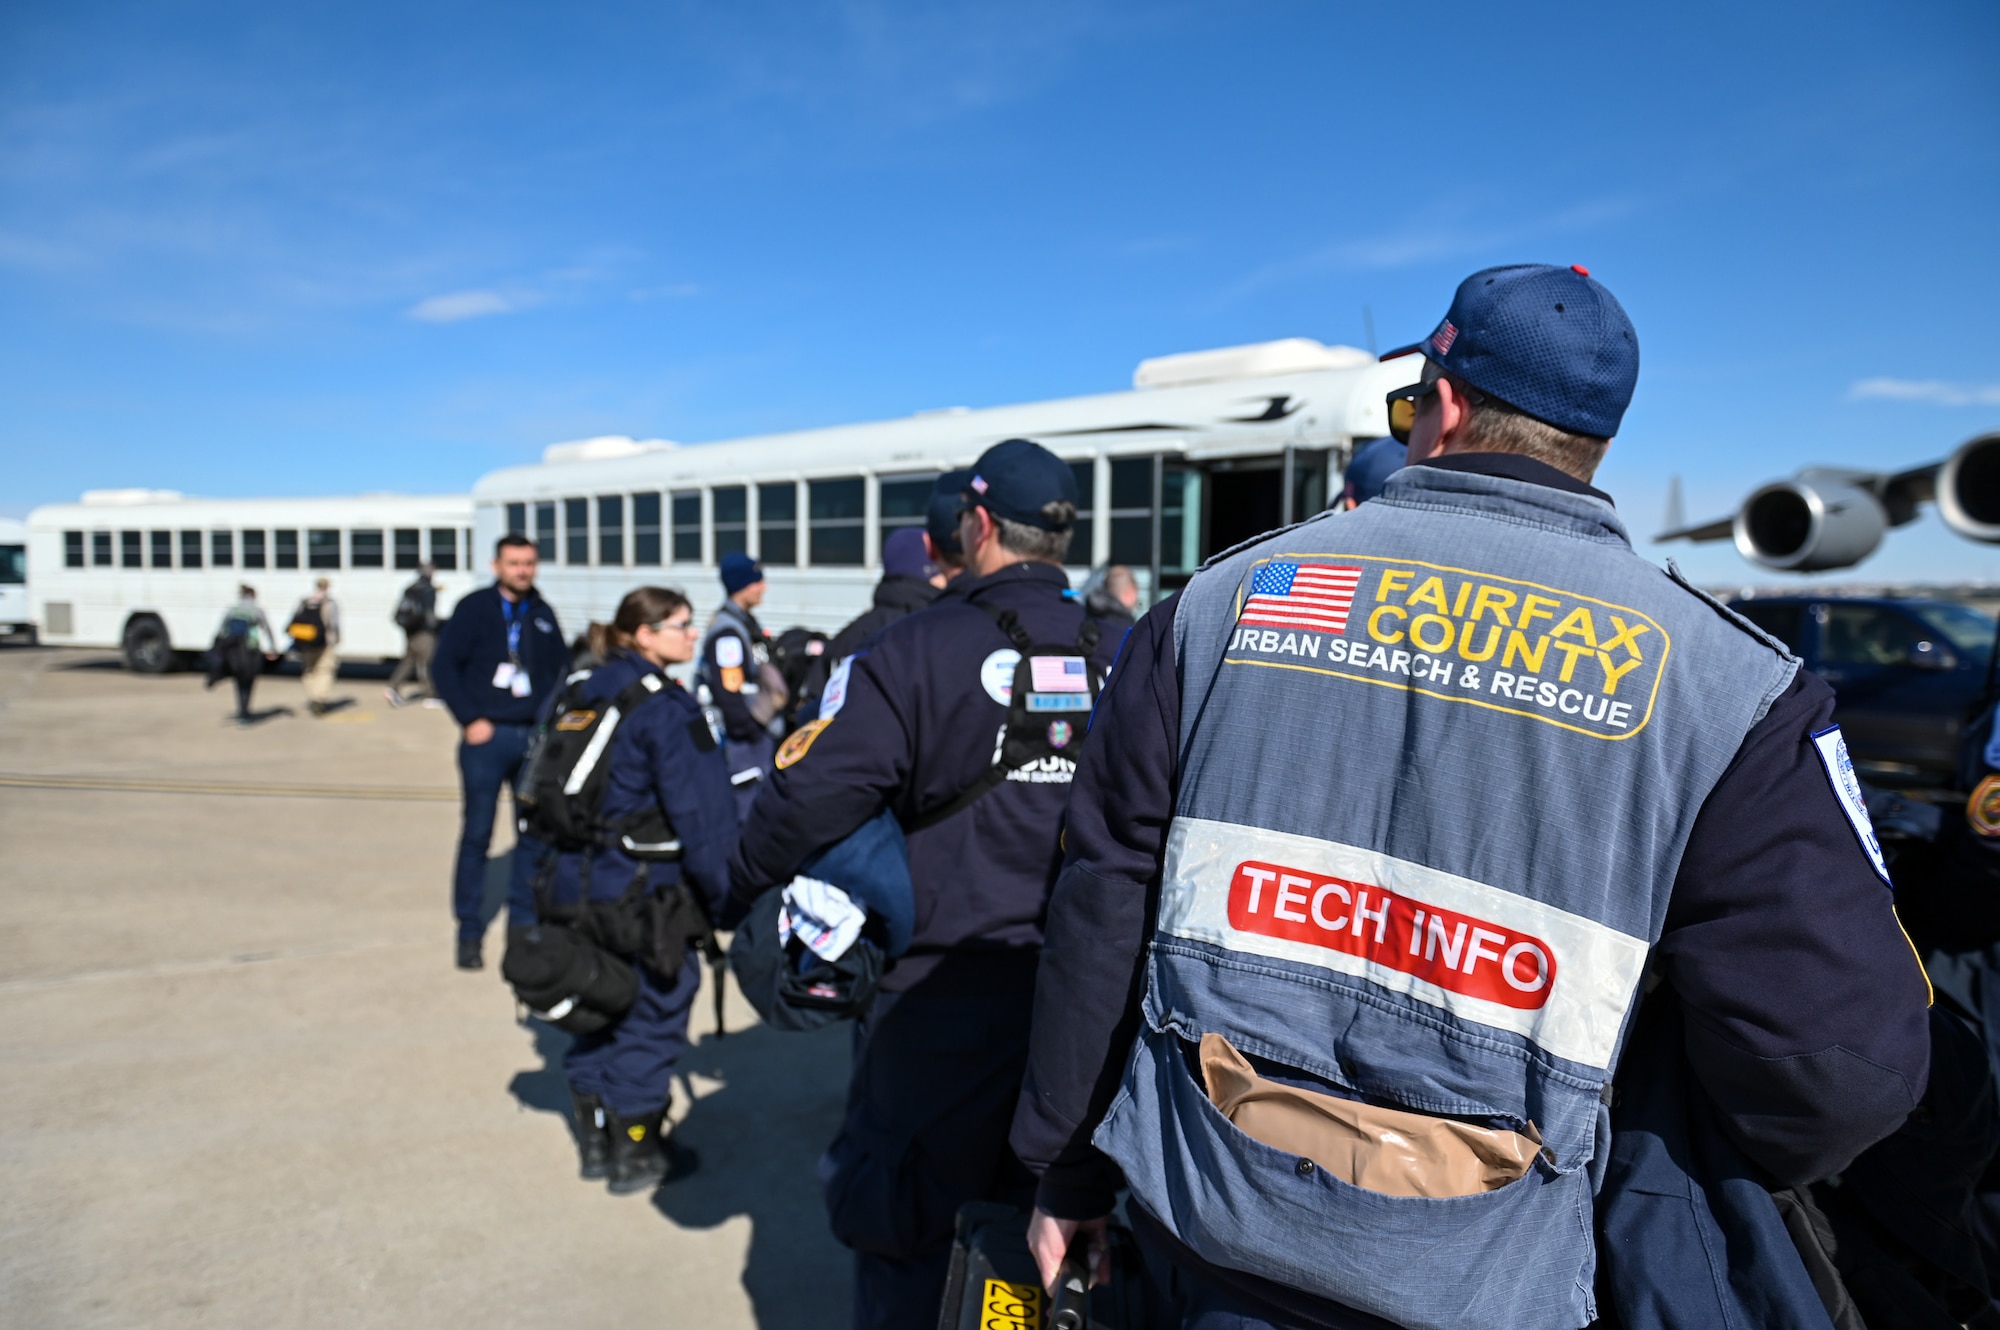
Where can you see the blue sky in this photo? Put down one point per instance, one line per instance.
(324, 248)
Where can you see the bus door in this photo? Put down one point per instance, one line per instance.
(1208, 505)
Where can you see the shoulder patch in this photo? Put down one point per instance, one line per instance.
(1832, 750)
(834, 697)
(1982, 810)
(996, 674)
(801, 742)
(729, 651)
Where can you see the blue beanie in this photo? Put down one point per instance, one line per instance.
(739, 570)
(903, 554)
(1370, 469)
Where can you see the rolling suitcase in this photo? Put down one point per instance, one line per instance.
(993, 1284)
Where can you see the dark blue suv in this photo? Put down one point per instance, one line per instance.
(1907, 675)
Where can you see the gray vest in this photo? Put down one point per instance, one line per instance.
(1440, 757)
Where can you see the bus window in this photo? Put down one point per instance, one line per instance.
(322, 548)
(221, 549)
(904, 501)
(129, 550)
(14, 560)
(611, 530)
(545, 530)
(517, 521)
(253, 549)
(778, 524)
(646, 529)
(1180, 519)
(163, 549)
(190, 549)
(100, 549)
(1086, 503)
(835, 518)
(687, 526)
(444, 548)
(409, 552)
(731, 514)
(576, 532)
(285, 549)
(1132, 511)
(365, 548)
(72, 549)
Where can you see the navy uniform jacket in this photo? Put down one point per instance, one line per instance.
(894, 598)
(664, 756)
(473, 644)
(1775, 942)
(917, 727)
(730, 654)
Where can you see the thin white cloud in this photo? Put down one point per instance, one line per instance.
(1937, 392)
(458, 305)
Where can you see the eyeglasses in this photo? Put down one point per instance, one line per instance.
(677, 626)
(1406, 403)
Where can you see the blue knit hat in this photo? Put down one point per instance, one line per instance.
(739, 570)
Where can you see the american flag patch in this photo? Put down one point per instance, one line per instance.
(979, 484)
(1313, 596)
(1444, 337)
(1058, 674)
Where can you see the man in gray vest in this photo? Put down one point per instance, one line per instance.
(1387, 826)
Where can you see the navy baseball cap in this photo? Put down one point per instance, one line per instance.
(1016, 479)
(941, 518)
(739, 570)
(1549, 341)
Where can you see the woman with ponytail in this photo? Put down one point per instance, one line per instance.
(667, 783)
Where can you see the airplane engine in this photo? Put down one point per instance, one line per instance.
(1813, 523)
(1968, 490)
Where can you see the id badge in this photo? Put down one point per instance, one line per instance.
(521, 685)
(505, 673)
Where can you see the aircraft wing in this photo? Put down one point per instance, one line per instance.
(1720, 529)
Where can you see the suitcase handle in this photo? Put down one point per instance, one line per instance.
(1070, 1308)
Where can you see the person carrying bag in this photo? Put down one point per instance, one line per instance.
(638, 821)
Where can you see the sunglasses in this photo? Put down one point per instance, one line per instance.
(1406, 403)
(678, 626)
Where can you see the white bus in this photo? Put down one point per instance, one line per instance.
(1207, 450)
(16, 616)
(151, 572)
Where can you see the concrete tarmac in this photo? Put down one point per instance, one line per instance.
(245, 1086)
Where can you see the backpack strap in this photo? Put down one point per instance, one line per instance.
(991, 778)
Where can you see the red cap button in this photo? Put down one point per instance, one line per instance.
(1579, 270)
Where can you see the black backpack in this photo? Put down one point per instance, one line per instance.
(308, 625)
(1048, 713)
(411, 616)
(581, 952)
(795, 651)
(568, 766)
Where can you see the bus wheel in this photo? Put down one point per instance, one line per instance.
(147, 648)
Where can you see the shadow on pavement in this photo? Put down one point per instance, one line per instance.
(546, 1089)
(258, 716)
(760, 1134)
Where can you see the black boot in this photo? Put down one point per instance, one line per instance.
(641, 1158)
(469, 957)
(593, 1143)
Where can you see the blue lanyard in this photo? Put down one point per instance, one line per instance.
(507, 608)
